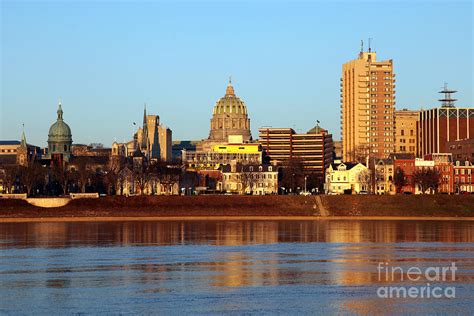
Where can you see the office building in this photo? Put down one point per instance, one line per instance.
(367, 107)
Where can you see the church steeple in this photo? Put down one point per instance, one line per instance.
(23, 138)
(144, 116)
(144, 140)
(22, 156)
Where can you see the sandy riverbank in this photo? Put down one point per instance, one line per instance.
(253, 207)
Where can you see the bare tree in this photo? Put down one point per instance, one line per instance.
(62, 176)
(9, 176)
(166, 175)
(293, 173)
(426, 178)
(400, 179)
(248, 179)
(31, 175)
(360, 153)
(142, 175)
(112, 173)
(365, 178)
(83, 172)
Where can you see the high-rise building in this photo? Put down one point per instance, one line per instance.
(314, 149)
(438, 126)
(367, 107)
(405, 131)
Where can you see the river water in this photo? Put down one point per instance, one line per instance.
(214, 267)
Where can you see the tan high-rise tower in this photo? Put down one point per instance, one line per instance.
(367, 107)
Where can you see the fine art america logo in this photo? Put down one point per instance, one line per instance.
(416, 282)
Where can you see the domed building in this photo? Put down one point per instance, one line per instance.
(229, 117)
(59, 138)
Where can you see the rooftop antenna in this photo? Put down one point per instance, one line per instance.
(370, 41)
(447, 101)
(361, 46)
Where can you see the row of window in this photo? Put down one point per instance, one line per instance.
(462, 171)
(462, 180)
(251, 176)
(402, 132)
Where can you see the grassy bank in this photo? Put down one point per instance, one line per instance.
(215, 205)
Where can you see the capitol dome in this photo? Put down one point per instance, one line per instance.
(230, 103)
(60, 137)
(229, 117)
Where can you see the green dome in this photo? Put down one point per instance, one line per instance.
(59, 131)
(230, 103)
(316, 130)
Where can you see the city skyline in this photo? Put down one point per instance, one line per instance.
(287, 73)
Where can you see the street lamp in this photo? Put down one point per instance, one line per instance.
(293, 183)
(305, 177)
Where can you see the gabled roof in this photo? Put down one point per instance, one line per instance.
(349, 165)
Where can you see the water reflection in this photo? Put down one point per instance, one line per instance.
(230, 233)
(224, 266)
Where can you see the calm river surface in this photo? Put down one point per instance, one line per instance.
(213, 267)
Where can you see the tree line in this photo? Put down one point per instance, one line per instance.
(84, 175)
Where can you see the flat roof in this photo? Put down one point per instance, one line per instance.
(10, 142)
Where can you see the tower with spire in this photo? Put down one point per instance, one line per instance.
(22, 157)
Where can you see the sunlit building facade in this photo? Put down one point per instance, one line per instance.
(367, 107)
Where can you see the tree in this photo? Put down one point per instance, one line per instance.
(364, 178)
(166, 175)
(247, 180)
(426, 178)
(360, 153)
(142, 175)
(112, 173)
(32, 175)
(399, 179)
(9, 176)
(83, 171)
(293, 173)
(62, 176)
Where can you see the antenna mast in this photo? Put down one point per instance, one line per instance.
(447, 101)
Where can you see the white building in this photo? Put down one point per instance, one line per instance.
(341, 177)
(249, 179)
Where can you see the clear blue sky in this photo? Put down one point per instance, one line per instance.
(106, 59)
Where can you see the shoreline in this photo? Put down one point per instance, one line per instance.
(216, 207)
(226, 218)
